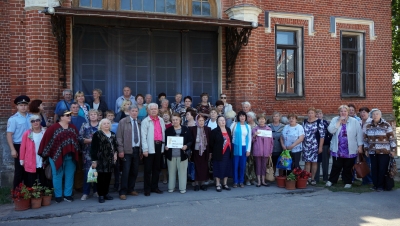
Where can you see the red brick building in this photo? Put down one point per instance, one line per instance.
(279, 55)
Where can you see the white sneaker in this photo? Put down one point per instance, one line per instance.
(206, 182)
(248, 183)
(347, 186)
(84, 197)
(328, 184)
(170, 191)
(95, 195)
(183, 191)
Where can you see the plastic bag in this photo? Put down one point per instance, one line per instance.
(284, 161)
(92, 176)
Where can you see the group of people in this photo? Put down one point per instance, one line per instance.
(219, 142)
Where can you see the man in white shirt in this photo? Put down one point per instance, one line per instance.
(127, 96)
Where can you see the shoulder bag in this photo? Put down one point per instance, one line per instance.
(361, 167)
(270, 175)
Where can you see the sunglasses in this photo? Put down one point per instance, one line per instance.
(223, 97)
(67, 115)
(36, 120)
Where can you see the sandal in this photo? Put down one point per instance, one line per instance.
(226, 187)
(313, 182)
(241, 185)
(258, 185)
(266, 185)
(218, 188)
(234, 186)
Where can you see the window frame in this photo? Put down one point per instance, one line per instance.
(361, 57)
(299, 63)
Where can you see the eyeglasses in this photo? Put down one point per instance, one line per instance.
(36, 120)
(223, 97)
(67, 115)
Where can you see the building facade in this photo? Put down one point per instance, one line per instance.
(281, 56)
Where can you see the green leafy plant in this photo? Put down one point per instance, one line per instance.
(37, 189)
(291, 176)
(48, 191)
(21, 192)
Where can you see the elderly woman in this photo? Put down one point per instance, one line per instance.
(262, 148)
(97, 103)
(141, 107)
(242, 145)
(177, 158)
(36, 108)
(161, 96)
(200, 147)
(124, 110)
(178, 105)
(250, 174)
(83, 107)
(164, 107)
(166, 116)
(219, 106)
(292, 138)
(188, 105)
(104, 155)
(313, 143)
(204, 107)
(212, 120)
(28, 156)
(190, 116)
(353, 112)
(277, 128)
(380, 144)
(60, 147)
(246, 107)
(85, 137)
(221, 154)
(346, 141)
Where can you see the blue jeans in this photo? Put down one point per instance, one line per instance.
(367, 179)
(86, 185)
(239, 167)
(66, 170)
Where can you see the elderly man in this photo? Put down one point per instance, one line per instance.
(63, 105)
(76, 120)
(127, 96)
(148, 99)
(128, 139)
(16, 127)
(246, 107)
(153, 132)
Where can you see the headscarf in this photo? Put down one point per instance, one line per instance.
(237, 150)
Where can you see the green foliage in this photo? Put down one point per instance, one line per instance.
(5, 197)
(396, 56)
(291, 176)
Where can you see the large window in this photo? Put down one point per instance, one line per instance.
(91, 3)
(159, 6)
(289, 61)
(201, 8)
(352, 65)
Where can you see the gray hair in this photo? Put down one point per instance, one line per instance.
(148, 95)
(93, 111)
(101, 123)
(67, 91)
(251, 114)
(152, 105)
(34, 117)
(164, 100)
(377, 110)
(133, 107)
(246, 103)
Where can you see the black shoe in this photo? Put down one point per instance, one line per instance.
(157, 190)
(68, 198)
(59, 199)
(225, 187)
(101, 199)
(196, 188)
(203, 187)
(108, 197)
(146, 193)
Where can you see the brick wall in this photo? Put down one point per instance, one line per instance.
(5, 105)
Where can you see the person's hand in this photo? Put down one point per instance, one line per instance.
(146, 154)
(166, 148)
(210, 156)
(343, 119)
(284, 147)
(21, 162)
(184, 147)
(121, 155)
(247, 154)
(141, 155)
(94, 164)
(115, 157)
(289, 148)
(320, 150)
(360, 150)
(14, 154)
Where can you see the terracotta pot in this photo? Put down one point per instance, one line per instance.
(46, 201)
(290, 184)
(280, 181)
(36, 203)
(301, 183)
(22, 204)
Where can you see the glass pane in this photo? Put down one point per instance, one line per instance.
(137, 5)
(291, 59)
(97, 3)
(171, 6)
(196, 8)
(349, 42)
(160, 6)
(286, 37)
(126, 4)
(280, 60)
(206, 9)
(84, 3)
(148, 6)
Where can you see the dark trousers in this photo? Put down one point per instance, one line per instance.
(30, 178)
(130, 168)
(103, 183)
(152, 169)
(18, 169)
(367, 179)
(379, 166)
(79, 176)
(117, 170)
(325, 164)
(295, 161)
(342, 163)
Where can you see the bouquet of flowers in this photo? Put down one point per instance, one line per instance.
(21, 192)
(301, 174)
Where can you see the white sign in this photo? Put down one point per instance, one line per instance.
(174, 142)
(264, 133)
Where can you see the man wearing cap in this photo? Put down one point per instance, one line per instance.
(127, 96)
(63, 104)
(16, 126)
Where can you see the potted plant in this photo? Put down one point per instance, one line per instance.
(21, 196)
(47, 194)
(36, 201)
(280, 181)
(291, 181)
(301, 177)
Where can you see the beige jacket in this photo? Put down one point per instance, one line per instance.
(124, 135)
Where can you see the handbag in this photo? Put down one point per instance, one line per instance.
(270, 175)
(48, 173)
(361, 167)
(392, 168)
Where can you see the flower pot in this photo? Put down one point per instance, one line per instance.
(290, 184)
(280, 181)
(22, 204)
(46, 201)
(36, 203)
(301, 183)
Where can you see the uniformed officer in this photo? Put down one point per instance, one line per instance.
(16, 126)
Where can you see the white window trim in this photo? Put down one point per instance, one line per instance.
(296, 16)
(299, 63)
(360, 58)
(345, 20)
